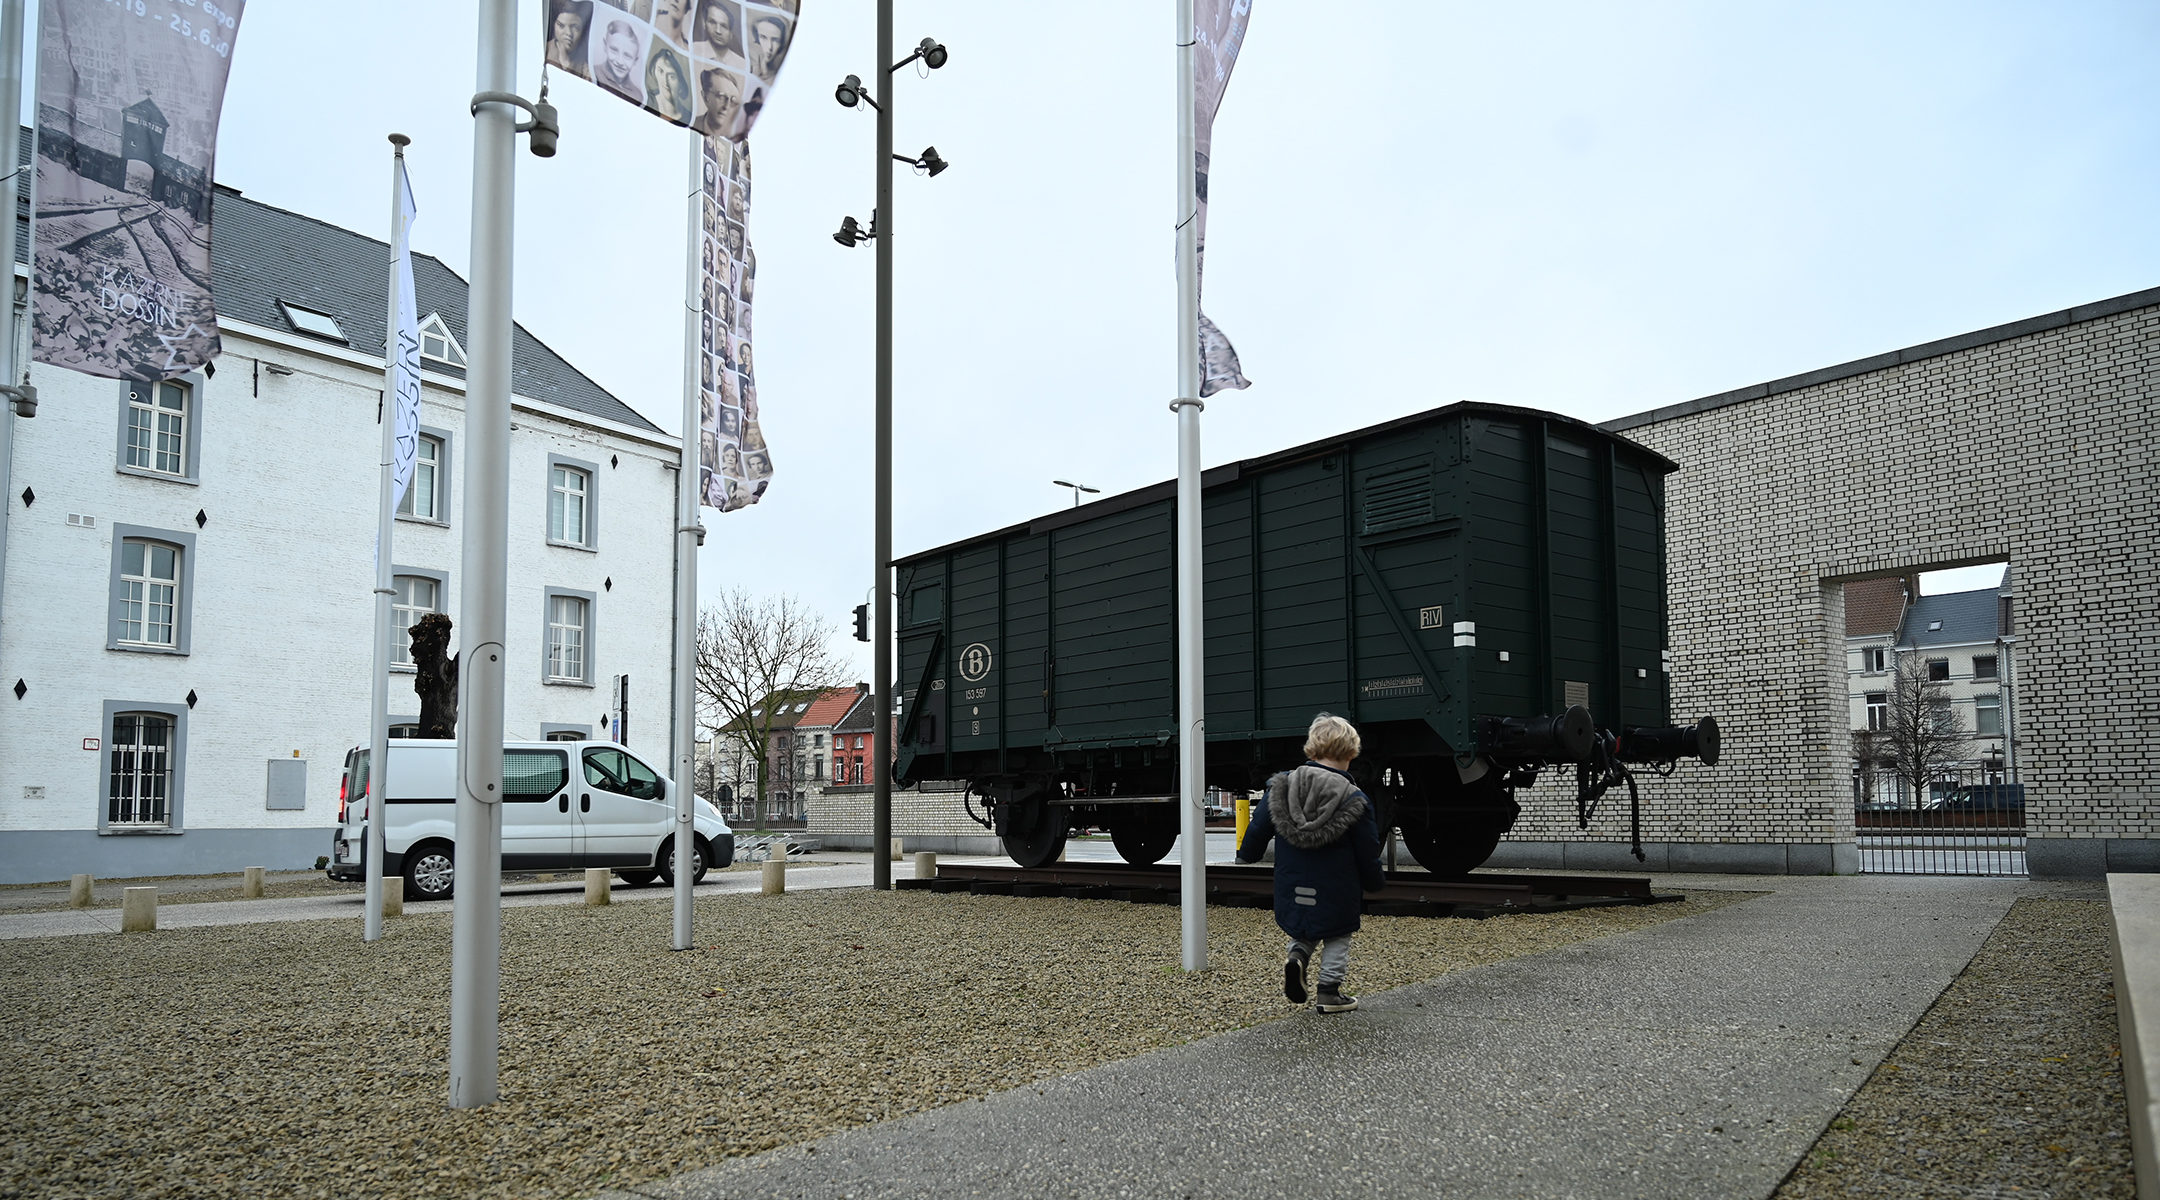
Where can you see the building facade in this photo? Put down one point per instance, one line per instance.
(2050, 427)
(187, 570)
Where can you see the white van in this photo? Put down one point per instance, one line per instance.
(565, 805)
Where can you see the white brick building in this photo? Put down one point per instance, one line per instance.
(2032, 443)
(186, 571)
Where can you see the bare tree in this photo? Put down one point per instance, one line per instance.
(758, 657)
(1924, 736)
(1867, 749)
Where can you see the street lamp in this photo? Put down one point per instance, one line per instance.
(853, 93)
(1077, 489)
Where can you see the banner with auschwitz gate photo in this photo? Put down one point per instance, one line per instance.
(127, 117)
(708, 65)
(1218, 33)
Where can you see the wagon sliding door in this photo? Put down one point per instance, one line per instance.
(1114, 626)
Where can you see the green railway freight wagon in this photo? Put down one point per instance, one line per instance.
(1479, 588)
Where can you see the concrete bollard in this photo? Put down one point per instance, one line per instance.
(251, 883)
(896, 849)
(774, 880)
(393, 896)
(138, 910)
(597, 882)
(79, 894)
(925, 865)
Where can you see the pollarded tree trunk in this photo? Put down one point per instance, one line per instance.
(435, 676)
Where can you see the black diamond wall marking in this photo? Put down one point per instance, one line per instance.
(21, 689)
(201, 518)
(28, 497)
(608, 583)
(191, 698)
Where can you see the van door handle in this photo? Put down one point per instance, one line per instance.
(585, 802)
(562, 802)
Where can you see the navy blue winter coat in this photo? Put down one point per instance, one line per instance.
(1317, 886)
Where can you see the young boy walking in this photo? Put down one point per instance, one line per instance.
(1329, 855)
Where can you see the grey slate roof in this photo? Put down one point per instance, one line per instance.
(1965, 617)
(261, 254)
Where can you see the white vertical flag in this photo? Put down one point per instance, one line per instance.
(404, 347)
(1218, 33)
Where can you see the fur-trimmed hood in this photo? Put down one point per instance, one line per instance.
(1312, 806)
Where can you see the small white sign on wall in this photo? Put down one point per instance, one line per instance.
(90, 744)
(33, 791)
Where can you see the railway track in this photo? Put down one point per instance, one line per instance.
(1407, 893)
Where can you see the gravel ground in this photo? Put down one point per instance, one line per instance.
(293, 1059)
(279, 885)
(2011, 1085)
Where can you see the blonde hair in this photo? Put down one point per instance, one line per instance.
(1332, 737)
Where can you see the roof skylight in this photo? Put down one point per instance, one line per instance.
(307, 320)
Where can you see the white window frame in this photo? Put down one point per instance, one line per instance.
(135, 592)
(1987, 702)
(1874, 660)
(408, 508)
(174, 767)
(1878, 711)
(553, 640)
(1994, 666)
(178, 462)
(432, 329)
(404, 614)
(587, 535)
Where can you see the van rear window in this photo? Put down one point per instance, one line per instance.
(534, 772)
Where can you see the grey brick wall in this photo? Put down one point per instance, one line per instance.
(2036, 443)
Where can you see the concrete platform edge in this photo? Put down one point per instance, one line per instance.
(1715, 858)
(2134, 939)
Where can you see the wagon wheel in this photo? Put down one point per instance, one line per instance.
(1144, 833)
(1034, 833)
(1452, 842)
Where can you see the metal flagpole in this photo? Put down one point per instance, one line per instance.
(11, 373)
(686, 544)
(378, 773)
(881, 801)
(1192, 717)
(476, 927)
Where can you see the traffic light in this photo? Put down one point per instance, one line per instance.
(862, 622)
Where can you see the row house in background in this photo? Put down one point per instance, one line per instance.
(1967, 641)
(1873, 610)
(187, 577)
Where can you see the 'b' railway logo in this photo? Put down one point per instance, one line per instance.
(975, 662)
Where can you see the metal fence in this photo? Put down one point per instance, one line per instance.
(1966, 822)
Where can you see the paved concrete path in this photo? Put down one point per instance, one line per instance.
(840, 872)
(1697, 1058)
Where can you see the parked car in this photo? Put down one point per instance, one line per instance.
(566, 805)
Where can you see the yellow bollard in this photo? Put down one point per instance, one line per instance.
(1244, 817)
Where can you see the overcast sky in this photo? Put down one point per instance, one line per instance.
(1591, 208)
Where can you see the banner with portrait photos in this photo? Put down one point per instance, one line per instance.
(708, 65)
(128, 103)
(1218, 33)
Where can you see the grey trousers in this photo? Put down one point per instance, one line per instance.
(1334, 958)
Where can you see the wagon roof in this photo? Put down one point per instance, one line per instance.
(1230, 471)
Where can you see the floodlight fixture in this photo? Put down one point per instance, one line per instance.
(929, 162)
(933, 54)
(852, 233)
(851, 93)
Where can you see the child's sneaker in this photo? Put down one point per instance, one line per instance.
(1332, 999)
(1293, 974)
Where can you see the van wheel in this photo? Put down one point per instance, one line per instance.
(430, 872)
(636, 878)
(700, 854)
